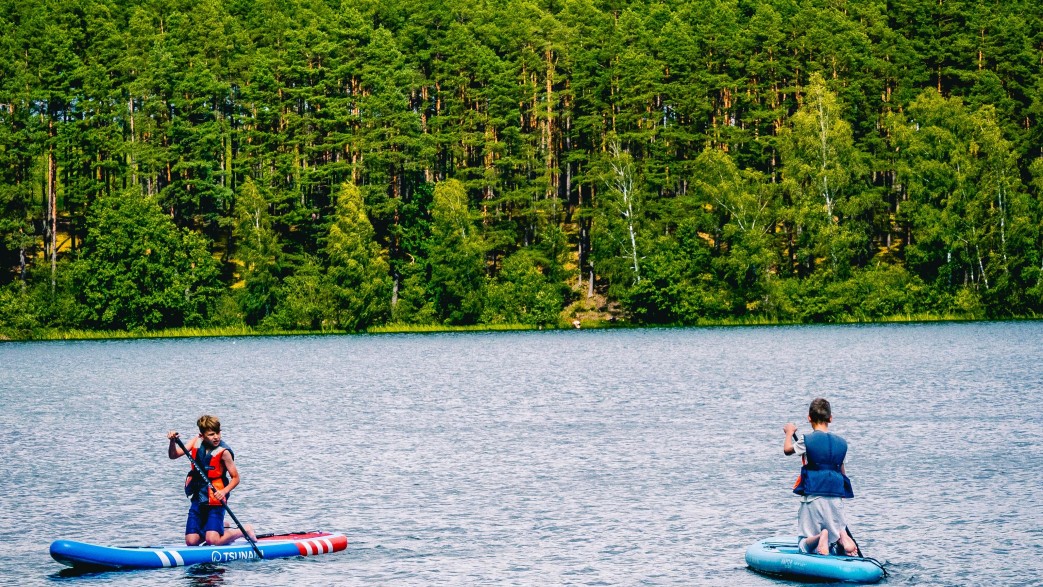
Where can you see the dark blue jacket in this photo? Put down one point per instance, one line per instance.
(821, 474)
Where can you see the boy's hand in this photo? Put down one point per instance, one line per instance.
(172, 434)
(787, 443)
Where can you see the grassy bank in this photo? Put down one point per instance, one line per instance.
(53, 334)
(76, 334)
(898, 319)
(420, 328)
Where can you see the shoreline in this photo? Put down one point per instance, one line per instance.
(247, 331)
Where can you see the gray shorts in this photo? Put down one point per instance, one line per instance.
(818, 513)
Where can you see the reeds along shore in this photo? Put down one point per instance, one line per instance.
(50, 334)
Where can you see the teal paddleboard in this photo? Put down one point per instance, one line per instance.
(781, 557)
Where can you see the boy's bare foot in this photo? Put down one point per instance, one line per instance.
(823, 543)
(850, 548)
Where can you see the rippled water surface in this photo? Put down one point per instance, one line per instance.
(647, 457)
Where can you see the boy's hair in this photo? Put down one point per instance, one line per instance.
(819, 411)
(208, 423)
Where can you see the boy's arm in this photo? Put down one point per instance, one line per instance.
(233, 476)
(787, 444)
(174, 451)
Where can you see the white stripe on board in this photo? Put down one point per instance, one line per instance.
(179, 562)
(329, 545)
(162, 559)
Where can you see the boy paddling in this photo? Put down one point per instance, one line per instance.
(823, 483)
(206, 515)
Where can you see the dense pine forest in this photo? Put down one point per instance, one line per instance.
(326, 165)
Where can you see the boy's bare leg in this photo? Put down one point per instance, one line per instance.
(249, 532)
(230, 535)
(848, 543)
(819, 542)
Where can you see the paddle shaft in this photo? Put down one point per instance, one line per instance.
(211, 487)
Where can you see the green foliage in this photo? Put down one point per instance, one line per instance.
(969, 212)
(137, 270)
(413, 305)
(871, 294)
(457, 261)
(522, 293)
(56, 306)
(306, 302)
(18, 315)
(433, 164)
(619, 222)
(742, 213)
(357, 273)
(226, 313)
(679, 286)
(259, 253)
(821, 165)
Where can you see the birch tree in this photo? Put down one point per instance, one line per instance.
(745, 211)
(970, 218)
(617, 220)
(258, 252)
(820, 169)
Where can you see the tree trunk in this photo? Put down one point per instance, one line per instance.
(548, 127)
(52, 208)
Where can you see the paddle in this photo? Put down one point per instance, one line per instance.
(864, 557)
(849, 535)
(211, 487)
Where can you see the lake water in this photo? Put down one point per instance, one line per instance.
(620, 457)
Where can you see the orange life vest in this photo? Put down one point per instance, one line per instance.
(214, 466)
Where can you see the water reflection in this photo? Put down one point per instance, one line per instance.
(205, 575)
(72, 574)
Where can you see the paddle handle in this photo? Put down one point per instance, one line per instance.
(211, 487)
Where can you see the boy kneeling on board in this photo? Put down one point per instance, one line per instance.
(206, 515)
(823, 483)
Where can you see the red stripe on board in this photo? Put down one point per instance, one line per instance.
(322, 546)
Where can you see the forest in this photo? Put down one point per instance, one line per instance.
(327, 165)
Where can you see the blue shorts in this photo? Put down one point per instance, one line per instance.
(203, 518)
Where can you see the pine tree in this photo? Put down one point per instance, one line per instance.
(358, 272)
(456, 258)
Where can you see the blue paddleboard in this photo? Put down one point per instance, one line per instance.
(82, 555)
(781, 557)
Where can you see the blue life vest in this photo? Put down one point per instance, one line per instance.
(210, 462)
(821, 474)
